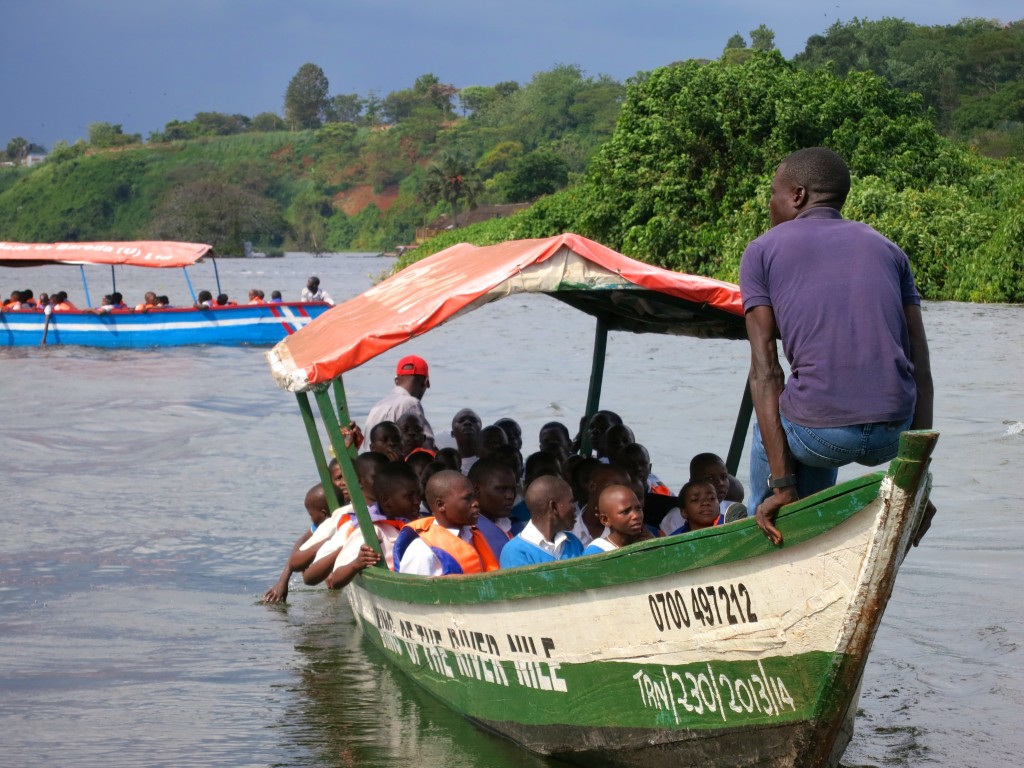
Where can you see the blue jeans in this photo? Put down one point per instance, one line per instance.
(819, 452)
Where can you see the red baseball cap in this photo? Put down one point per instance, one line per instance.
(410, 365)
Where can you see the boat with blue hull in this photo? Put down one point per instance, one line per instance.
(261, 324)
(248, 324)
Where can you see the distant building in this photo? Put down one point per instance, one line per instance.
(34, 159)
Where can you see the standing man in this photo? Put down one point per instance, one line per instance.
(412, 380)
(313, 292)
(842, 299)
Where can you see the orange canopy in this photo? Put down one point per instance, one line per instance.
(627, 294)
(143, 253)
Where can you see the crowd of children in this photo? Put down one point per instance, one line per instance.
(26, 301)
(469, 503)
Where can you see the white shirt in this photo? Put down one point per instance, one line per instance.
(532, 535)
(342, 534)
(580, 530)
(320, 295)
(672, 522)
(386, 535)
(603, 543)
(419, 559)
(326, 529)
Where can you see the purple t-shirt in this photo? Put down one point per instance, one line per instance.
(838, 289)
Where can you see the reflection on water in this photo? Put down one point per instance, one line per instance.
(151, 496)
(356, 710)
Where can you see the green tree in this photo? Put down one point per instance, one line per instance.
(265, 122)
(695, 144)
(17, 149)
(451, 179)
(62, 151)
(220, 213)
(475, 98)
(178, 130)
(347, 108)
(308, 216)
(540, 172)
(106, 135)
(306, 100)
(221, 124)
(735, 42)
(762, 38)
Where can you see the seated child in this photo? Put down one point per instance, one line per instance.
(366, 466)
(414, 436)
(588, 519)
(711, 468)
(488, 440)
(537, 464)
(397, 490)
(621, 513)
(316, 507)
(450, 457)
(657, 499)
(147, 303)
(386, 438)
(494, 484)
(700, 509)
(546, 537)
(449, 542)
(554, 439)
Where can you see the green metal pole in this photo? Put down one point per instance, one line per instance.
(596, 380)
(343, 415)
(739, 432)
(323, 400)
(318, 450)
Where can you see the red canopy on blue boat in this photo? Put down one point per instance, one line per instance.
(628, 295)
(140, 253)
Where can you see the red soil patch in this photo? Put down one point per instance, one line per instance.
(354, 200)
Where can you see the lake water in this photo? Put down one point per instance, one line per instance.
(151, 496)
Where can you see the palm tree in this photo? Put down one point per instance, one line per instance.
(451, 178)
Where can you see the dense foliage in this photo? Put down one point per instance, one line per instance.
(684, 181)
(970, 73)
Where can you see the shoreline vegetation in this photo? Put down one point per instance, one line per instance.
(672, 167)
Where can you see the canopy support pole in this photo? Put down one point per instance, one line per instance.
(85, 285)
(113, 279)
(189, 281)
(216, 274)
(739, 432)
(596, 380)
(343, 417)
(341, 452)
(322, 469)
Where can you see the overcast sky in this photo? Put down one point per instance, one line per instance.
(142, 63)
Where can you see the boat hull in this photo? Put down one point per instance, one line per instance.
(712, 648)
(249, 324)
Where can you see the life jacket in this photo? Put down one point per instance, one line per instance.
(64, 306)
(661, 489)
(456, 556)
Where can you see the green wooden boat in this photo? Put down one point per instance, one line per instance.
(710, 648)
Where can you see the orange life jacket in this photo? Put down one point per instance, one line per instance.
(474, 558)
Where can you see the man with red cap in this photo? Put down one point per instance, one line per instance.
(412, 380)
